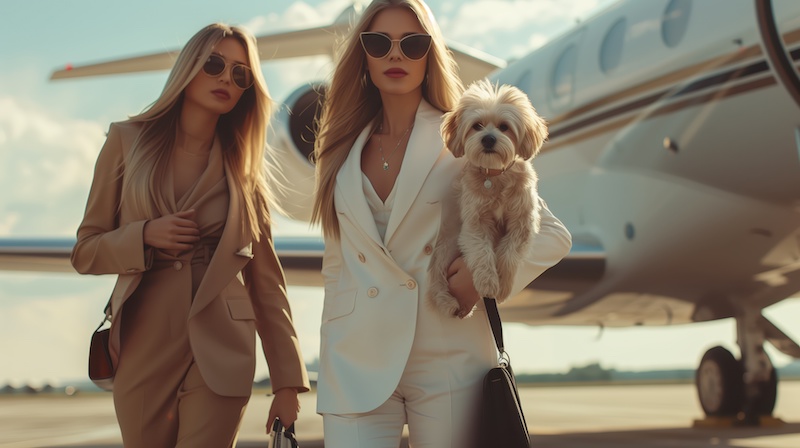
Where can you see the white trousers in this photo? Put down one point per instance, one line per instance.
(435, 420)
(436, 397)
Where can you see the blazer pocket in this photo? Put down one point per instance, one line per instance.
(241, 309)
(339, 304)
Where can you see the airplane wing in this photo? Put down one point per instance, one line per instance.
(301, 256)
(473, 64)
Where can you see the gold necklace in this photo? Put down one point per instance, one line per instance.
(385, 162)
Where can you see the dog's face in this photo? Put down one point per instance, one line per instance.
(493, 125)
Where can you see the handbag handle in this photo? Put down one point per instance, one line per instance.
(497, 328)
(281, 434)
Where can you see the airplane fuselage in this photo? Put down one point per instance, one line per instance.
(674, 147)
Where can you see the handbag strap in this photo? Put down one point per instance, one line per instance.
(106, 315)
(497, 326)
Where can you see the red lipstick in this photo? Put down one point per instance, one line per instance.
(395, 73)
(222, 94)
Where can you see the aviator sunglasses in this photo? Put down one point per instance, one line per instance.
(241, 74)
(413, 46)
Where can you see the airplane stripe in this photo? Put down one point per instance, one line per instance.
(704, 83)
(670, 79)
(557, 135)
(711, 96)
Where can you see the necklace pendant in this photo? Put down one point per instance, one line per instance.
(385, 166)
(487, 184)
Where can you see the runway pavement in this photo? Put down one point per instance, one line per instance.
(564, 417)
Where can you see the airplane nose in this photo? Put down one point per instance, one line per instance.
(488, 141)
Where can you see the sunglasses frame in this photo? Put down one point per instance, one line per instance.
(392, 43)
(233, 65)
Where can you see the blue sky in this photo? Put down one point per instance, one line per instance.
(50, 133)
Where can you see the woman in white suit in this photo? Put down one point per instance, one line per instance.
(387, 357)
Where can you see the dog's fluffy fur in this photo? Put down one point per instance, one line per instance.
(495, 128)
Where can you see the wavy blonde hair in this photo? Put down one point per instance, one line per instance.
(350, 105)
(241, 131)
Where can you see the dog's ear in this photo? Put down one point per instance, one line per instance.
(449, 132)
(534, 132)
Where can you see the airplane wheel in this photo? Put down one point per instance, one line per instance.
(720, 387)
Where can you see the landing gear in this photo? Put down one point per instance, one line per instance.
(722, 391)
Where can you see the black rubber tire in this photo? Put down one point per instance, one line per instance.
(719, 383)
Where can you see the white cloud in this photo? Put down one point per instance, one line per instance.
(47, 163)
(297, 15)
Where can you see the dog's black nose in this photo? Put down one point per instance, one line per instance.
(488, 141)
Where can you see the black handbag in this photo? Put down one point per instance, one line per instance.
(101, 367)
(281, 437)
(502, 422)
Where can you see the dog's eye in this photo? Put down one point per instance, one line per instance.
(477, 126)
(503, 127)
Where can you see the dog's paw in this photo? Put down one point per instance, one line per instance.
(487, 284)
(505, 291)
(446, 304)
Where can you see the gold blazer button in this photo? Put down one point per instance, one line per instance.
(411, 284)
(428, 249)
(362, 258)
(372, 292)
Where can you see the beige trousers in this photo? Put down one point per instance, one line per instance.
(160, 397)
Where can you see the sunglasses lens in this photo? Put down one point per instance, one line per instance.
(376, 45)
(214, 65)
(242, 76)
(416, 46)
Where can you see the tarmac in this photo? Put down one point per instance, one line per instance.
(565, 417)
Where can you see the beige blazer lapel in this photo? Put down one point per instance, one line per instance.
(424, 148)
(232, 254)
(349, 183)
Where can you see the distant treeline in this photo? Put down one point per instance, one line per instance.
(596, 373)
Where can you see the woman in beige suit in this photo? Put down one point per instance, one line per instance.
(387, 358)
(178, 210)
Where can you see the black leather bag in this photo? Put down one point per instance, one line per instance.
(281, 437)
(501, 420)
(101, 367)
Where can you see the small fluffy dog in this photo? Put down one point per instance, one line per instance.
(494, 210)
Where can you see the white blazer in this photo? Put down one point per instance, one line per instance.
(374, 291)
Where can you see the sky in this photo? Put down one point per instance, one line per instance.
(51, 132)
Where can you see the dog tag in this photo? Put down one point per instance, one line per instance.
(487, 184)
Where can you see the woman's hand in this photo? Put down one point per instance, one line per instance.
(172, 232)
(285, 406)
(461, 286)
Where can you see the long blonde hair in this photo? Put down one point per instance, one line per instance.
(241, 131)
(350, 104)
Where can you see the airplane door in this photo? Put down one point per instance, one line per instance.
(779, 27)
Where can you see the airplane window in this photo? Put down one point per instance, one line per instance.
(611, 49)
(563, 81)
(675, 20)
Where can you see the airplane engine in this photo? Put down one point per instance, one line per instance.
(291, 143)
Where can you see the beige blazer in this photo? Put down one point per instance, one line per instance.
(374, 289)
(221, 325)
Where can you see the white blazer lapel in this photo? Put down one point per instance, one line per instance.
(352, 200)
(424, 148)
